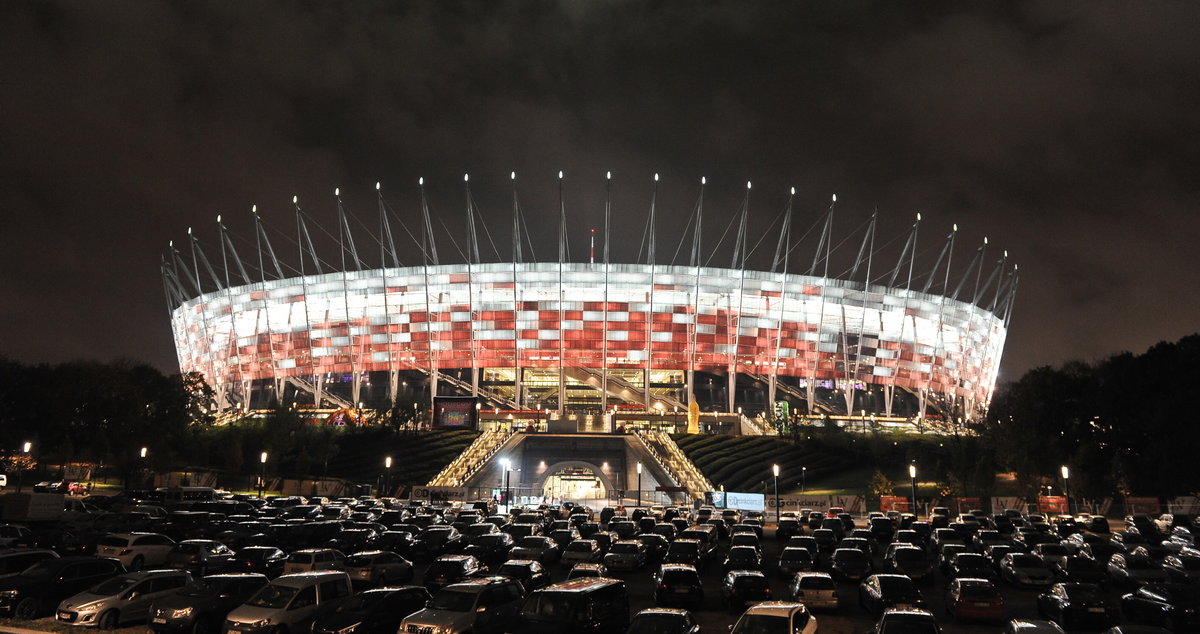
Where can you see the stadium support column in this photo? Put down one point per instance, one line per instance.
(695, 262)
(516, 253)
(562, 335)
(604, 343)
(647, 399)
(782, 248)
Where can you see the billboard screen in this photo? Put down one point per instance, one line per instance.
(455, 412)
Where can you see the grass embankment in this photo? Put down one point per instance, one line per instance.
(416, 458)
(743, 463)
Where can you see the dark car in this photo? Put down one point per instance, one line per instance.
(492, 548)
(449, 569)
(743, 558)
(1078, 605)
(656, 545)
(910, 561)
(1182, 568)
(352, 540)
(39, 589)
(787, 527)
(678, 584)
(65, 543)
(972, 565)
(880, 592)
(266, 560)
(1174, 606)
(1080, 569)
(663, 621)
(975, 599)
(907, 620)
(793, 560)
(850, 564)
(376, 611)
(740, 588)
(686, 551)
(436, 541)
(200, 556)
(883, 529)
(1134, 570)
(202, 605)
(398, 542)
(531, 574)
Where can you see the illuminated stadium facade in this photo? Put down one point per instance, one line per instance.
(589, 336)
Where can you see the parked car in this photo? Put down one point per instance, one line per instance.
(554, 609)
(678, 584)
(290, 603)
(484, 606)
(492, 548)
(882, 591)
(687, 551)
(202, 605)
(265, 560)
(581, 551)
(1135, 569)
(740, 588)
(537, 547)
(743, 558)
(850, 564)
(120, 600)
(972, 565)
(200, 556)
(1078, 605)
(530, 573)
(587, 570)
(910, 561)
(1080, 569)
(816, 590)
(776, 616)
(38, 589)
(15, 561)
(1182, 568)
(793, 560)
(908, 620)
(975, 599)
(1023, 569)
(378, 567)
(1174, 606)
(313, 560)
(1032, 626)
(449, 569)
(136, 550)
(625, 555)
(663, 621)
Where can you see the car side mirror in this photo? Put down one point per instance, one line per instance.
(481, 609)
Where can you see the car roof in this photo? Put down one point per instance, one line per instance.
(1033, 626)
(776, 608)
(304, 578)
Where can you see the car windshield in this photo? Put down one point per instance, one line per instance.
(1027, 561)
(655, 623)
(359, 561)
(624, 548)
(116, 585)
(510, 570)
(40, 570)
(533, 542)
(817, 583)
(202, 588)
(850, 555)
(273, 596)
(580, 546)
(490, 540)
(300, 558)
(762, 624)
(1085, 593)
(454, 600)
(909, 626)
(114, 541)
(795, 554)
(970, 560)
(1139, 562)
(679, 576)
(686, 548)
(1053, 549)
(445, 567)
(189, 549)
(909, 555)
(978, 591)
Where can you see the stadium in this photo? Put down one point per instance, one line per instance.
(532, 338)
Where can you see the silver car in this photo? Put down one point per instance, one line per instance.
(490, 604)
(626, 555)
(120, 600)
(290, 603)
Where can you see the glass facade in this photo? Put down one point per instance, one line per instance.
(578, 315)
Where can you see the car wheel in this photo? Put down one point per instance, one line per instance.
(108, 620)
(136, 564)
(27, 609)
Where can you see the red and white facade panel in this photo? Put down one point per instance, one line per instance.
(582, 315)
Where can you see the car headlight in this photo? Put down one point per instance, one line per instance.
(349, 630)
(181, 613)
(86, 607)
(259, 623)
(12, 594)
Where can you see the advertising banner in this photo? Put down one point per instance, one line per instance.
(455, 412)
(1052, 504)
(1134, 505)
(894, 503)
(852, 503)
(735, 500)
(439, 494)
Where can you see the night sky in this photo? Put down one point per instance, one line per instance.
(1067, 133)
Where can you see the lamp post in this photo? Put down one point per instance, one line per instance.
(639, 489)
(387, 478)
(803, 479)
(262, 473)
(506, 464)
(21, 471)
(775, 470)
(912, 477)
(1066, 474)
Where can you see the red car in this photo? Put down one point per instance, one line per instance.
(975, 599)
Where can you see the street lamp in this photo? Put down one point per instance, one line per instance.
(262, 473)
(912, 476)
(775, 470)
(142, 453)
(506, 464)
(639, 490)
(803, 479)
(1066, 474)
(387, 479)
(21, 471)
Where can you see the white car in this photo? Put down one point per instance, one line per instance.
(136, 550)
(816, 590)
(626, 555)
(776, 616)
(10, 533)
(581, 551)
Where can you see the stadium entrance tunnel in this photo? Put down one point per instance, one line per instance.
(575, 481)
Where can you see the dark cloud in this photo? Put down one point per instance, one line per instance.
(1065, 132)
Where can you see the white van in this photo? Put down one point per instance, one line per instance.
(290, 603)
